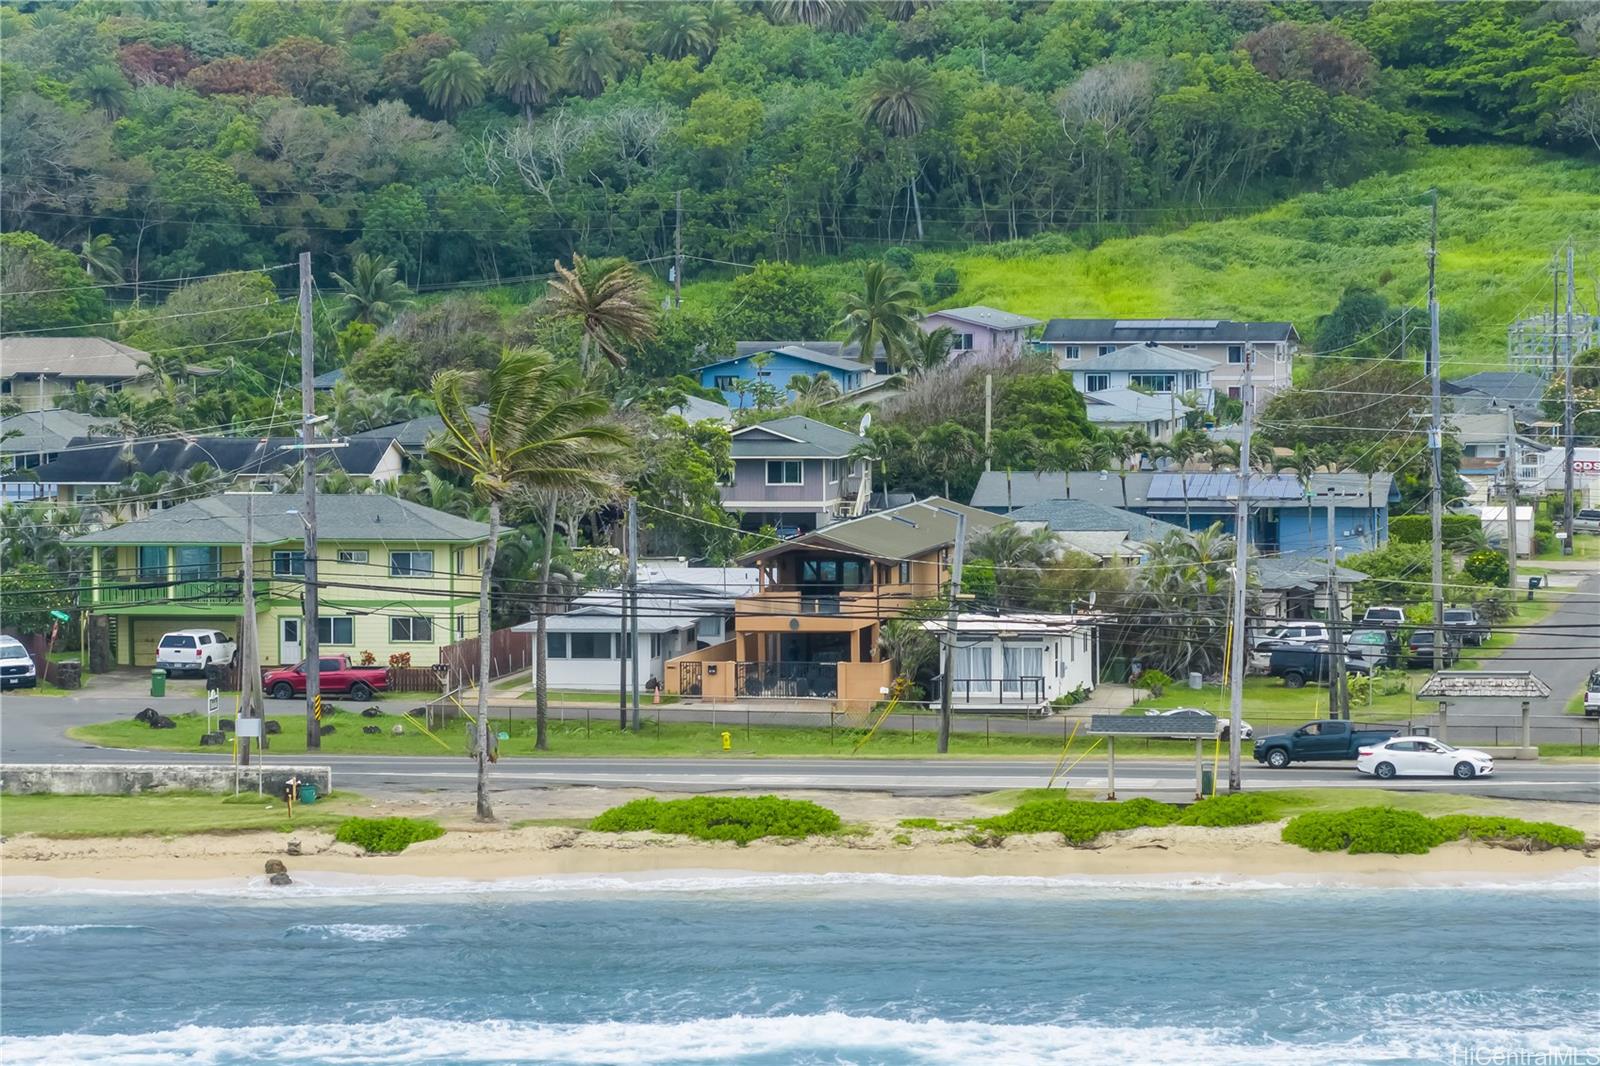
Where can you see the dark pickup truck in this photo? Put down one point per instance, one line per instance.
(1300, 663)
(1316, 741)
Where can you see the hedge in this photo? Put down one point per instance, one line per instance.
(1387, 831)
(386, 835)
(737, 818)
(1079, 821)
(1456, 529)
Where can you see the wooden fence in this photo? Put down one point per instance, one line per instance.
(509, 652)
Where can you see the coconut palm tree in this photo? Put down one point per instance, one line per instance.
(373, 292)
(453, 82)
(1302, 462)
(103, 86)
(929, 351)
(591, 58)
(1017, 556)
(526, 71)
(1184, 446)
(883, 312)
(542, 433)
(609, 300)
(681, 30)
(1185, 586)
(812, 390)
(902, 99)
(101, 258)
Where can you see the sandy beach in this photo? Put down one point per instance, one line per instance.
(1170, 854)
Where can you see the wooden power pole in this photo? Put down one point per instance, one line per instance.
(1436, 497)
(1241, 576)
(308, 436)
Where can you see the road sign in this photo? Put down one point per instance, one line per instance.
(61, 616)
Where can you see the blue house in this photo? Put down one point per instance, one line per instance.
(737, 377)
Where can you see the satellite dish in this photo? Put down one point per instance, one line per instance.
(866, 421)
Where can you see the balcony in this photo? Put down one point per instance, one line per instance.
(215, 592)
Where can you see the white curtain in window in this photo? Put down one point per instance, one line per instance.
(1022, 660)
(972, 664)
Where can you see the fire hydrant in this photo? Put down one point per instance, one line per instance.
(727, 741)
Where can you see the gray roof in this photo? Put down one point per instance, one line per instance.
(988, 317)
(601, 611)
(413, 435)
(71, 357)
(103, 461)
(1167, 491)
(840, 349)
(1126, 405)
(326, 382)
(1165, 331)
(44, 431)
(1062, 516)
(1282, 572)
(808, 439)
(1484, 684)
(359, 517)
(916, 529)
(796, 351)
(1183, 726)
(696, 409)
(1502, 388)
(1136, 357)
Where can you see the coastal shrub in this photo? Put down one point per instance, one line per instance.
(1509, 832)
(1239, 808)
(1079, 821)
(386, 835)
(737, 818)
(1363, 830)
(929, 823)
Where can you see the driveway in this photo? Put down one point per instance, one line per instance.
(1563, 648)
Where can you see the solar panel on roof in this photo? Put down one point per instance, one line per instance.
(1167, 323)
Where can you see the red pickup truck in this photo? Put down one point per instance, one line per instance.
(335, 674)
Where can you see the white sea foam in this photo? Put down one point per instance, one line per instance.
(832, 1037)
(351, 931)
(22, 934)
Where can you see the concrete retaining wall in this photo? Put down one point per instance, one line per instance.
(131, 779)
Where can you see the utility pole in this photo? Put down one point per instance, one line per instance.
(988, 421)
(1241, 550)
(622, 660)
(633, 600)
(945, 690)
(1511, 499)
(308, 436)
(1338, 692)
(1566, 417)
(249, 641)
(1436, 498)
(1555, 313)
(677, 249)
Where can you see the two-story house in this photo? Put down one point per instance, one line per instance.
(812, 629)
(396, 577)
(29, 441)
(747, 379)
(795, 474)
(981, 332)
(1220, 341)
(35, 371)
(1149, 368)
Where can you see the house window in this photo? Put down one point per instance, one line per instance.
(591, 645)
(1233, 392)
(1153, 382)
(1107, 349)
(905, 572)
(196, 564)
(963, 342)
(655, 645)
(1096, 382)
(1235, 353)
(555, 645)
(785, 472)
(461, 627)
(1072, 351)
(973, 672)
(152, 562)
(289, 564)
(336, 630)
(350, 555)
(726, 382)
(409, 629)
(410, 564)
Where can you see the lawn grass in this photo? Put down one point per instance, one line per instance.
(163, 814)
(1269, 706)
(1585, 547)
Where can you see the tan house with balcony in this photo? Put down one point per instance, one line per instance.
(811, 631)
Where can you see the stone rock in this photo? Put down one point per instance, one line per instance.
(372, 729)
(225, 724)
(209, 739)
(293, 847)
(273, 727)
(276, 866)
(279, 879)
(371, 712)
(163, 722)
(398, 730)
(325, 730)
(148, 716)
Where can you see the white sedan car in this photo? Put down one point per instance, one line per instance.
(1422, 757)
(1219, 724)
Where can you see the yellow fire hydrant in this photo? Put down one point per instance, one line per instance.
(727, 741)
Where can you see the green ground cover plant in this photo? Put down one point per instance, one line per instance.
(386, 836)
(740, 819)
(1388, 831)
(1079, 821)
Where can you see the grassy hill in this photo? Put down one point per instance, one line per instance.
(1501, 212)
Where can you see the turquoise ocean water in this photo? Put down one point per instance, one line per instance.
(774, 970)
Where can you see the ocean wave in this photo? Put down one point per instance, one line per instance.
(350, 931)
(832, 1037)
(23, 934)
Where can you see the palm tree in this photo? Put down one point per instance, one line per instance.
(103, 86)
(373, 292)
(1186, 587)
(101, 258)
(591, 58)
(609, 300)
(526, 71)
(453, 82)
(929, 351)
(883, 312)
(812, 390)
(681, 30)
(902, 99)
(947, 447)
(541, 433)
(841, 16)
(1016, 554)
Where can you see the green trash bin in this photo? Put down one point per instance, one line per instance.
(308, 792)
(158, 682)
(1208, 781)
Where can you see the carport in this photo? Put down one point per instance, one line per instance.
(1196, 727)
(1475, 687)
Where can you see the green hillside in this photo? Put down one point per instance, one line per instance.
(1501, 212)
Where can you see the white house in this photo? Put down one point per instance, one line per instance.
(1222, 342)
(1018, 662)
(1148, 368)
(1121, 409)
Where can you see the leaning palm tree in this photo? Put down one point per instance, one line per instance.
(373, 292)
(526, 71)
(453, 82)
(591, 58)
(609, 300)
(902, 100)
(101, 258)
(882, 313)
(541, 433)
